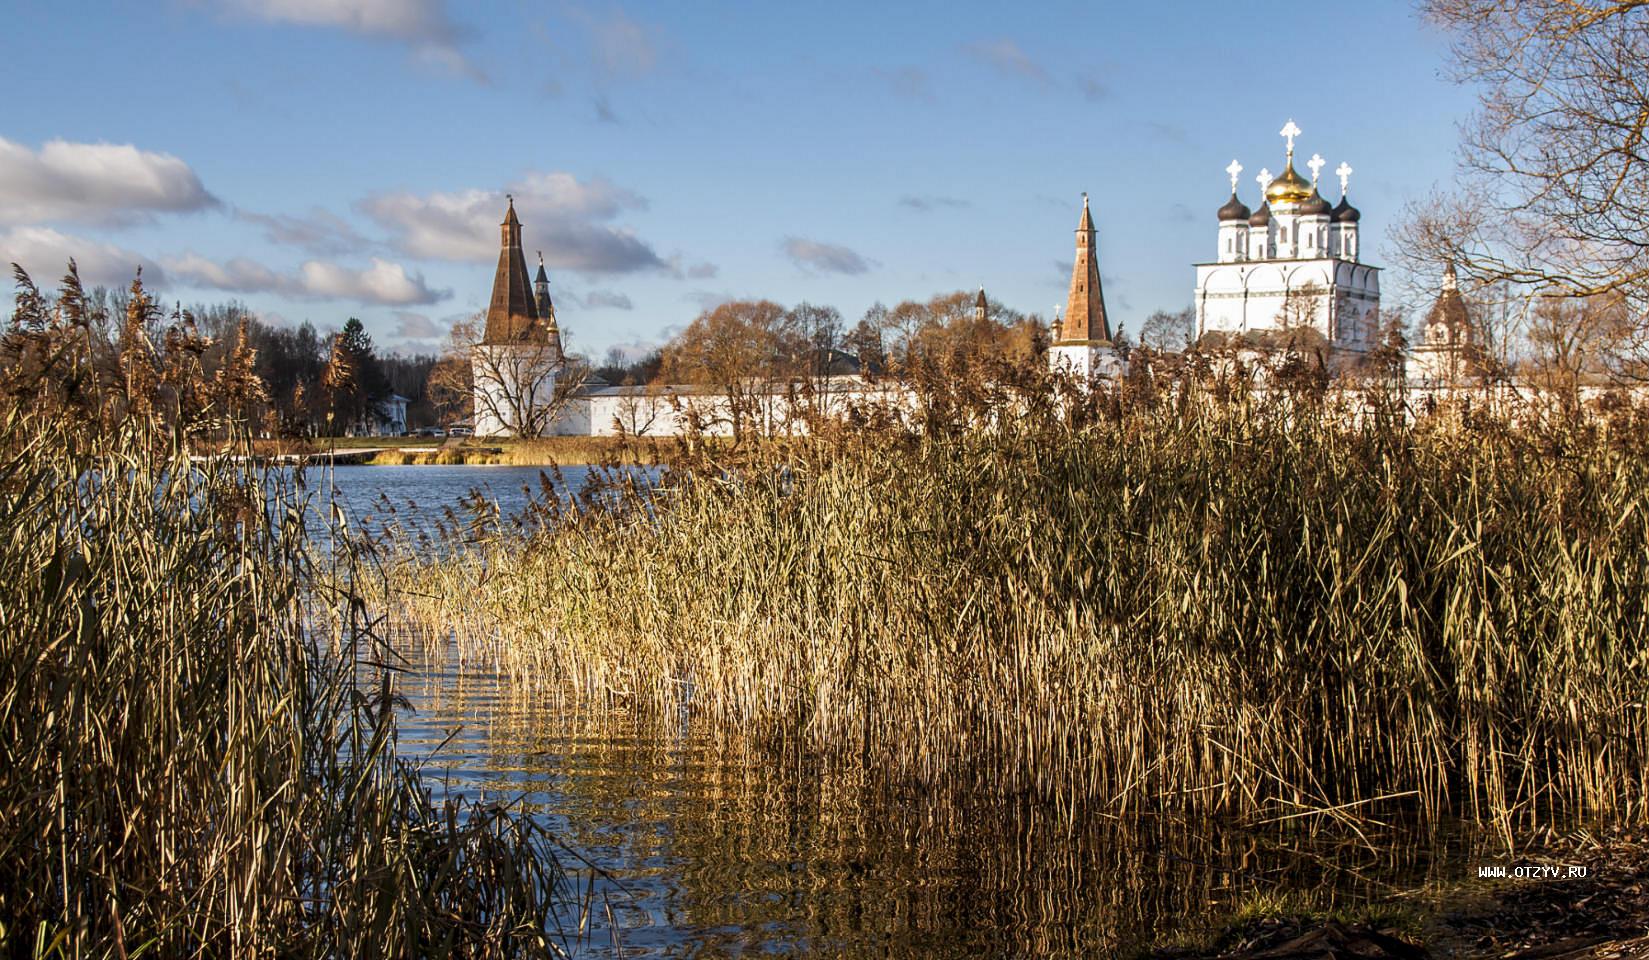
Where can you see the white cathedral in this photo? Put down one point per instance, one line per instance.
(1292, 263)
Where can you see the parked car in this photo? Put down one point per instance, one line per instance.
(432, 432)
(461, 432)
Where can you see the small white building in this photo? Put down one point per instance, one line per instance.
(1291, 264)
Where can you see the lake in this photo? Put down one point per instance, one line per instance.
(701, 845)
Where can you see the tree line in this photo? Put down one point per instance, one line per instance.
(105, 351)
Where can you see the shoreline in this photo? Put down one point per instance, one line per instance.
(424, 451)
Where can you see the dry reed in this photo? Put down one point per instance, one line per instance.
(197, 729)
(1199, 603)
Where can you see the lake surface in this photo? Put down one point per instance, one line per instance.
(698, 845)
(704, 847)
(423, 489)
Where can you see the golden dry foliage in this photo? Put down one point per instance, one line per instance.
(1175, 603)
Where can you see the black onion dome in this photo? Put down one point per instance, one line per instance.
(1262, 216)
(1234, 209)
(1315, 206)
(1344, 212)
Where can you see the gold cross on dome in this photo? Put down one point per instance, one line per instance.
(1290, 131)
(1233, 170)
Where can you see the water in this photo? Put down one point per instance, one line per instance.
(705, 846)
(423, 490)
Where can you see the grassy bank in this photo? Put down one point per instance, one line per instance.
(1221, 607)
(541, 452)
(197, 732)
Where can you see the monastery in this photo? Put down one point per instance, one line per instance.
(1291, 264)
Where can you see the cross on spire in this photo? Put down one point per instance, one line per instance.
(1265, 178)
(1289, 132)
(1344, 173)
(1233, 170)
(1317, 164)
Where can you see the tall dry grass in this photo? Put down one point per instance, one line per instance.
(1196, 602)
(197, 728)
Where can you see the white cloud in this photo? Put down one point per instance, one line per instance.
(382, 283)
(824, 257)
(422, 25)
(45, 254)
(1008, 58)
(319, 231)
(608, 298)
(561, 215)
(94, 182)
(416, 326)
(619, 46)
(925, 203)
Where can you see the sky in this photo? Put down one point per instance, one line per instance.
(322, 159)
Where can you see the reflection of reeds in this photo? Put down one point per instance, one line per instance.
(196, 733)
(1246, 608)
(722, 842)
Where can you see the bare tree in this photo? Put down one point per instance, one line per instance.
(521, 386)
(1169, 331)
(1572, 341)
(639, 409)
(1556, 164)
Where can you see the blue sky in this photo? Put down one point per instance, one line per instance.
(321, 159)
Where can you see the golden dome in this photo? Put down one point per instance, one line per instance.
(1288, 188)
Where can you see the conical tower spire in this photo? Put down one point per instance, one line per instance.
(511, 315)
(1085, 319)
(547, 328)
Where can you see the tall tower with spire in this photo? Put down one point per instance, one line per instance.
(511, 314)
(514, 367)
(1291, 264)
(1082, 340)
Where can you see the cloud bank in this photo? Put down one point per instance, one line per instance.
(383, 283)
(566, 218)
(102, 183)
(423, 26)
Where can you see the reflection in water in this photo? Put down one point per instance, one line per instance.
(716, 848)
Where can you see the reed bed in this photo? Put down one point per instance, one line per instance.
(1207, 604)
(197, 728)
